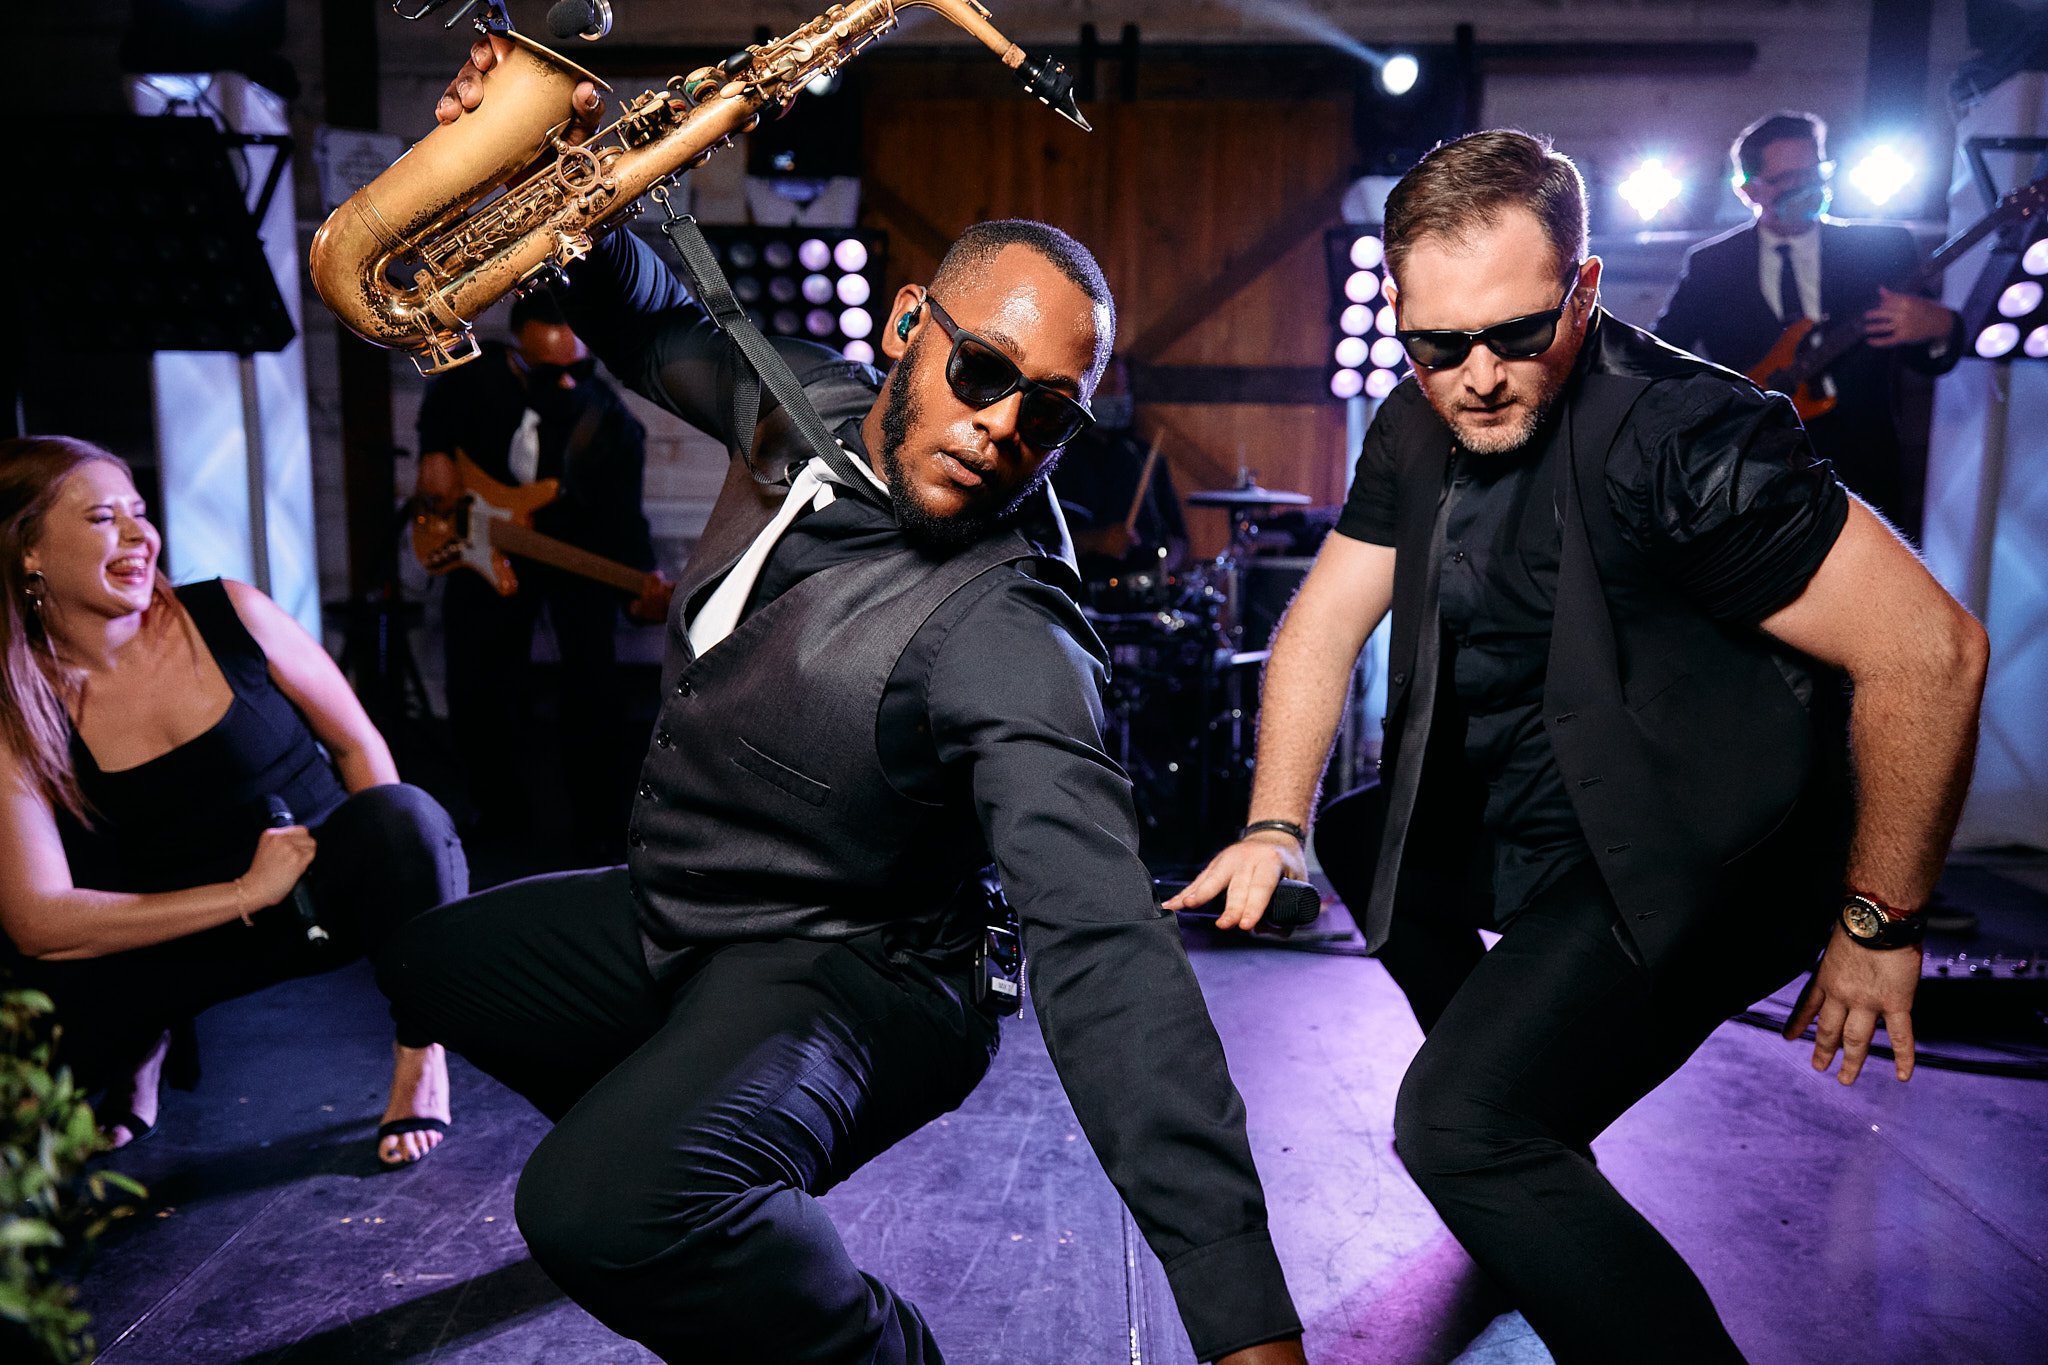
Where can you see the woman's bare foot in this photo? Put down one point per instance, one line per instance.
(141, 1101)
(419, 1090)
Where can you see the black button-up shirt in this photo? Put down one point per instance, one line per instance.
(1741, 535)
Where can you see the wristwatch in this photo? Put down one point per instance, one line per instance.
(1872, 923)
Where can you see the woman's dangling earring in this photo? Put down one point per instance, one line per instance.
(35, 588)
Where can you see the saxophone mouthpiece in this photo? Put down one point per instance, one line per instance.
(1054, 86)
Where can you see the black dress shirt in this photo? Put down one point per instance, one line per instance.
(1740, 550)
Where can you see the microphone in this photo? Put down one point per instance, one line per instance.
(585, 19)
(280, 817)
(1294, 905)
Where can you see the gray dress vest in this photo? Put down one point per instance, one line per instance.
(764, 810)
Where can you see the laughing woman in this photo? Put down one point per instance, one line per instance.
(144, 732)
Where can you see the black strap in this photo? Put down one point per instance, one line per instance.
(763, 364)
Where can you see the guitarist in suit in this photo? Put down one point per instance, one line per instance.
(1742, 289)
(535, 410)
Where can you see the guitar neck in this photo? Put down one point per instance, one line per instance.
(530, 544)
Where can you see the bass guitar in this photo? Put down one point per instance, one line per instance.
(1799, 357)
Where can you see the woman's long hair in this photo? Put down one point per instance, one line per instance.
(34, 724)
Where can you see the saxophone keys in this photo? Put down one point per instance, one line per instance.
(570, 246)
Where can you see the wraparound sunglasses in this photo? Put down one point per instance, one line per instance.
(1516, 339)
(982, 376)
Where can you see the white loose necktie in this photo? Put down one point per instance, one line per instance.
(721, 611)
(523, 458)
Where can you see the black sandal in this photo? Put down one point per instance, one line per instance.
(137, 1129)
(400, 1127)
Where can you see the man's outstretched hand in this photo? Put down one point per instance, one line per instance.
(466, 91)
(1245, 874)
(1852, 988)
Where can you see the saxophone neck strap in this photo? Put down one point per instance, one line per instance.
(761, 364)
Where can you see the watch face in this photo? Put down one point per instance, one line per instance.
(1862, 919)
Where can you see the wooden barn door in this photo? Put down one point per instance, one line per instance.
(1207, 216)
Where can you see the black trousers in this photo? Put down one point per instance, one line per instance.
(491, 697)
(697, 1118)
(1530, 1051)
(385, 855)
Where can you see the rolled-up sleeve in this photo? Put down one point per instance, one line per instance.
(1719, 489)
(1015, 698)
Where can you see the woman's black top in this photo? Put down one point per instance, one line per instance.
(192, 816)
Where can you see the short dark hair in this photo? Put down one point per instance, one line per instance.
(536, 305)
(1468, 182)
(976, 248)
(1746, 153)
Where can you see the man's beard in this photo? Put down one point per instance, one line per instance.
(924, 528)
(1509, 439)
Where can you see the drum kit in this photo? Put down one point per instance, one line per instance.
(1186, 646)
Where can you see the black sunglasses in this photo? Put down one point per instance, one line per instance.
(1516, 339)
(982, 376)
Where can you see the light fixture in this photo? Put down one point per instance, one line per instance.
(1650, 188)
(1366, 361)
(1398, 73)
(1882, 173)
(806, 282)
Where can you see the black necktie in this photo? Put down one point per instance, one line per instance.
(1379, 912)
(1789, 306)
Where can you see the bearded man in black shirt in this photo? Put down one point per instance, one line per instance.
(877, 683)
(1625, 602)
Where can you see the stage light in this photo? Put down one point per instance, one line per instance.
(1385, 321)
(1882, 173)
(824, 83)
(1650, 188)
(1398, 73)
(2037, 343)
(1380, 383)
(2035, 262)
(808, 282)
(2020, 299)
(858, 350)
(1355, 257)
(1997, 340)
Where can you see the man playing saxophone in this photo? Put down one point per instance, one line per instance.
(877, 683)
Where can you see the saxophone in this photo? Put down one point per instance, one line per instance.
(421, 215)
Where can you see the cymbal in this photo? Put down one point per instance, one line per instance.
(1249, 496)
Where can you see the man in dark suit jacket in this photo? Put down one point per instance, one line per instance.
(1624, 598)
(1741, 290)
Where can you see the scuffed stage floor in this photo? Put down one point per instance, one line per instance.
(1879, 1223)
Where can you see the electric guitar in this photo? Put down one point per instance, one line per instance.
(492, 520)
(1805, 350)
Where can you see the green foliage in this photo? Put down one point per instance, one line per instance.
(50, 1207)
